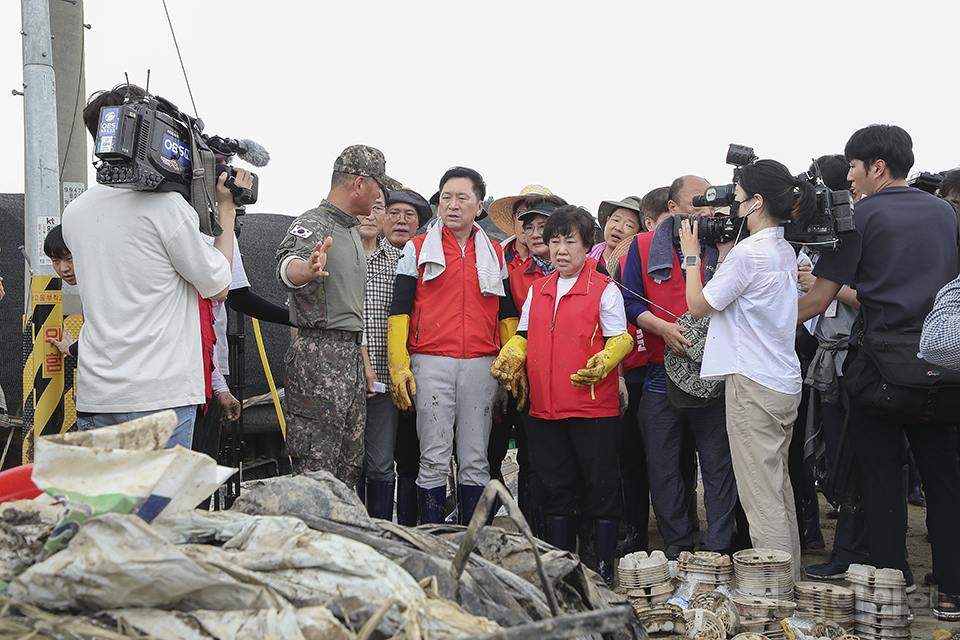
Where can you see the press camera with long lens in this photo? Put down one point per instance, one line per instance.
(834, 210)
(148, 144)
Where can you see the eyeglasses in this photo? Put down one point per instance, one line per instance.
(401, 215)
(532, 229)
(379, 209)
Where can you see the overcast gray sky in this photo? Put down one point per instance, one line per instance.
(596, 100)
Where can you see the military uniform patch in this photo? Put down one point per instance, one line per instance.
(301, 232)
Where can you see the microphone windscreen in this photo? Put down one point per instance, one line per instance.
(253, 152)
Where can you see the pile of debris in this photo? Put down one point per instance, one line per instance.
(296, 557)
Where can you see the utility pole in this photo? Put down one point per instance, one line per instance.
(43, 393)
(69, 31)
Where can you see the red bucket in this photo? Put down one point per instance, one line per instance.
(16, 484)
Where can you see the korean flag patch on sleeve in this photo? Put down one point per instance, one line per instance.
(301, 232)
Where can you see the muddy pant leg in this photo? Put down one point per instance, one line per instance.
(436, 401)
(476, 391)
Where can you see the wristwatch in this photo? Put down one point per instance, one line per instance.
(691, 261)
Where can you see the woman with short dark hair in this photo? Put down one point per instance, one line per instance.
(572, 335)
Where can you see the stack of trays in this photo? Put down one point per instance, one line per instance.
(763, 573)
(826, 601)
(880, 602)
(719, 604)
(646, 578)
(701, 624)
(709, 569)
(661, 618)
(763, 615)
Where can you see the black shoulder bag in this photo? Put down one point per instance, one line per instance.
(889, 379)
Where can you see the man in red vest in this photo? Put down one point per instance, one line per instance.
(653, 270)
(442, 338)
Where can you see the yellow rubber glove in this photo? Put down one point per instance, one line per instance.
(603, 362)
(509, 369)
(507, 329)
(402, 385)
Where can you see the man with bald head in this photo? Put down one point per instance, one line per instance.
(682, 191)
(653, 270)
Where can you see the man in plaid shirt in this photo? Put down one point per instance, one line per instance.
(381, 432)
(940, 340)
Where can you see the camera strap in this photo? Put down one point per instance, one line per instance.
(203, 194)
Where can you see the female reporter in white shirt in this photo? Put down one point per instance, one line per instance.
(750, 344)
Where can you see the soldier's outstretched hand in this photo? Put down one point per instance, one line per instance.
(318, 259)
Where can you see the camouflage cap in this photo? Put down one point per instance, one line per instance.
(361, 160)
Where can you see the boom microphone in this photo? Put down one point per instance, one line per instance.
(253, 153)
(247, 150)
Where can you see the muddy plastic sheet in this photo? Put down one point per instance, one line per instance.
(122, 469)
(258, 572)
(309, 623)
(24, 526)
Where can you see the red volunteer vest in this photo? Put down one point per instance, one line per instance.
(557, 346)
(639, 354)
(208, 337)
(450, 316)
(670, 294)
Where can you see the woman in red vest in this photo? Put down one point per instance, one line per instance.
(572, 334)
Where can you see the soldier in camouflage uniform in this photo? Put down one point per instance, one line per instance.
(322, 267)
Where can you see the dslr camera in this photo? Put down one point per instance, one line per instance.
(148, 144)
(834, 210)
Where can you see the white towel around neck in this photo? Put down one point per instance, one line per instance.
(488, 264)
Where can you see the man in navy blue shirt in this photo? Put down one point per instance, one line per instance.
(904, 249)
(653, 270)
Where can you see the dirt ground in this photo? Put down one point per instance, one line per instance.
(918, 552)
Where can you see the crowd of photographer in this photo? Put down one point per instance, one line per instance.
(618, 361)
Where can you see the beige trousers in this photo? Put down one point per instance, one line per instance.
(760, 426)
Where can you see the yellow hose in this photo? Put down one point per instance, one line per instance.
(266, 370)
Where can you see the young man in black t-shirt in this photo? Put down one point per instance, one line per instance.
(904, 249)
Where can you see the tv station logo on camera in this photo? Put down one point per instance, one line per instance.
(175, 150)
(107, 134)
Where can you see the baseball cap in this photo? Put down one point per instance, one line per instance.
(361, 160)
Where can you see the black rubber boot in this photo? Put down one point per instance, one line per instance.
(636, 504)
(562, 532)
(432, 504)
(469, 497)
(525, 501)
(407, 512)
(605, 542)
(380, 499)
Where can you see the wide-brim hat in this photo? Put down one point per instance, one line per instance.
(435, 201)
(685, 371)
(501, 211)
(415, 200)
(618, 252)
(609, 206)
